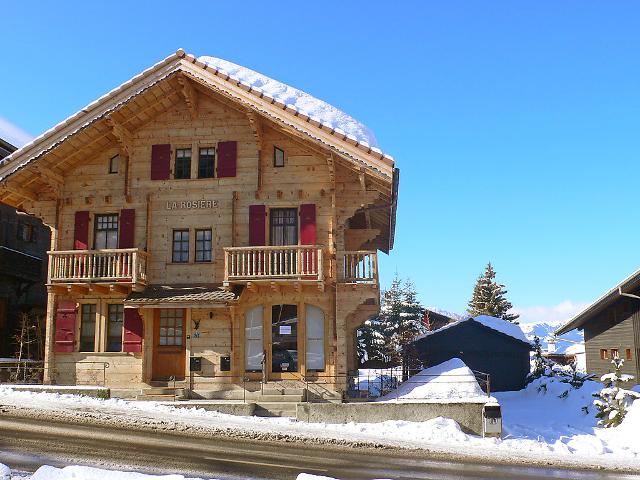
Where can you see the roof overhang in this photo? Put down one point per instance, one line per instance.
(631, 283)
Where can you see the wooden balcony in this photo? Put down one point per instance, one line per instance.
(293, 264)
(359, 267)
(122, 268)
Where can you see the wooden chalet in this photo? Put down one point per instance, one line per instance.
(611, 327)
(199, 224)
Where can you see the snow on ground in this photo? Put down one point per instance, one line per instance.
(448, 380)
(540, 422)
(76, 472)
(302, 101)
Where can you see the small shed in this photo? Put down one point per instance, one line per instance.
(485, 344)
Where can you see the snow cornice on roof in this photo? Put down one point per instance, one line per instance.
(497, 325)
(335, 139)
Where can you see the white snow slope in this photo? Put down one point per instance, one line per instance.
(311, 106)
(539, 425)
(450, 380)
(546, 329)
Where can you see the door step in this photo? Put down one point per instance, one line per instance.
(275, 409)
(156, 397)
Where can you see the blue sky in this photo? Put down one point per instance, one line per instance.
(515, 124)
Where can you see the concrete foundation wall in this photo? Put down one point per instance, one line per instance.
(468, 415)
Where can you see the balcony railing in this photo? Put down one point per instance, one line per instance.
(360, 267)
(128, 265)
(294, 262)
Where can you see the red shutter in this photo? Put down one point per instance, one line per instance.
(227, 156)
(127, 228)
(81, 231)
(308, 224)
(65, 326)
(160, 162)
(133, 330)
(257, 225)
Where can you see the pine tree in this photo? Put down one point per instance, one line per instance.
(371, 343)
(613, 401)
(538, 368)
(489, 297)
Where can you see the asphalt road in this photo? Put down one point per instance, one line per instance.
(27, 444)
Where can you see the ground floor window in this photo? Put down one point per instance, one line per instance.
(88, 317)
(315, 338)
(115, 323)
(171, 322)
(254, 339)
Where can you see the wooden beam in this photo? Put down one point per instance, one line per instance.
(363, 187)
(19, 191)
(190, 95)
(49, 175)
(98, 288)
(126, 289)
(79, 289)
(122, 134)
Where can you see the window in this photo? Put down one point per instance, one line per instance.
(114, 164)
(180, 246)
(604, 355)
(278, 157)
(171, 323)
(203, 245)
(315, 338)
(628, 354)
(26, 232)
(88, 327)
(106, 231)
(114, 327)
(253, 333)
(183, 163)
(206, 161)
(614, 353)
(284, 226)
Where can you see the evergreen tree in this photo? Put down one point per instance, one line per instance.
(489, 297)
(613, 401)
(538, 367)
(371, 343)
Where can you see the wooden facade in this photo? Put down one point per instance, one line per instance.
(611, 328)
(222, 257)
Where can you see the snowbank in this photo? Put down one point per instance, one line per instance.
(311, 106)
(76, 472)
(446, 381)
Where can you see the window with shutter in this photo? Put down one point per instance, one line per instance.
(227, 158)
(160, 162)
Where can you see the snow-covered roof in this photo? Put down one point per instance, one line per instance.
(301, 101)
(575, 349)
(497, 324)
(13, 134)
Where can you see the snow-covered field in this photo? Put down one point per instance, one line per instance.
(539, 422)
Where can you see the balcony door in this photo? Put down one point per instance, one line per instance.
(283, 231)
(106, 231)
(284, 341)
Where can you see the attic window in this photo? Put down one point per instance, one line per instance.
(113, 164)
(278, 157)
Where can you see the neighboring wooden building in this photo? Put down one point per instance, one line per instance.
(485, 344)
(611, 328)
(433, 320)
(24, 241)
(195, 215)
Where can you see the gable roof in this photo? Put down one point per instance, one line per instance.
(630, 283)
(498, 325)
(317, 128)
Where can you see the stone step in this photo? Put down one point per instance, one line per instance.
(275, 398)
(160, 391)
(156, 398)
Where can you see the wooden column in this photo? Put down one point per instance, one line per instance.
(49, 359)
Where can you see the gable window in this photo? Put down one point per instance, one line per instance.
(203, 245)
(604, 355)
(114, 327)
(278, 157)
(88, 327)
(106, 231)
(183, 163)
(180, 246)
(114, 164)
(26, 233)
(206, 162)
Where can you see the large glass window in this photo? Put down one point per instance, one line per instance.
(315, 338)
(183, 163)
(88, 327)
(254, 347)
(206, 162)
(284, 338)
(106, 231)
(180, 246)
(203, 245)
(171, 327)
(115, 322)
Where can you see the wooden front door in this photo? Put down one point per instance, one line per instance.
(169, 344)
